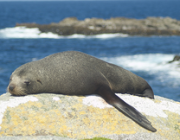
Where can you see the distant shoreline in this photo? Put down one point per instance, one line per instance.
(93, 26)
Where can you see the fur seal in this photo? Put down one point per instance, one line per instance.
(76, 73)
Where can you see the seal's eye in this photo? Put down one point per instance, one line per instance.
(39, 81)
(27, 82)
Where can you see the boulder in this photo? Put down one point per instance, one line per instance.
(68, 21)
(176, 58)
(79, 117)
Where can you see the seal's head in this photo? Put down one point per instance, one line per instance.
(23, 82)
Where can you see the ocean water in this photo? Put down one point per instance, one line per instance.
(145, 56)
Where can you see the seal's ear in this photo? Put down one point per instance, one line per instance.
(27, 82)
(39, 81)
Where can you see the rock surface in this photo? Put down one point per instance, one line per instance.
(78, 117)
(93, 26)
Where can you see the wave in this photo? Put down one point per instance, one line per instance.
(23, 32)
(153, 64)
(32, 33)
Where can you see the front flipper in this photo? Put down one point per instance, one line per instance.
(125, 108)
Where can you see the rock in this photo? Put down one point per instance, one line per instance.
(92, 26)
(68, 21)
(78, 117)
(34, 138)
(176, 58)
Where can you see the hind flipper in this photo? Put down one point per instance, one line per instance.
(146, 93)
(131, 112)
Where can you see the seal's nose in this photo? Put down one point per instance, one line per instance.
(11, 87)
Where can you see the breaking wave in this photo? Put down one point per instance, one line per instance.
(32, 33)
(154, 64)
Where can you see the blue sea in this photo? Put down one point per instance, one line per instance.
(144, 56)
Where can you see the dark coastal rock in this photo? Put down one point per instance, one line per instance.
(176, 58)
(144, 27)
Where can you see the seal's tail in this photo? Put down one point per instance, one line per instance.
(125, 108)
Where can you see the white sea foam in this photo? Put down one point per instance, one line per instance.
(143, 62)
(23, 32)
(100, 36)
(104, 36)
(155, 64)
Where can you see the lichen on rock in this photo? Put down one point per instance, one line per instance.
(80, 117)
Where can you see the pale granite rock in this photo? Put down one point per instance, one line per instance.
(79, 117)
